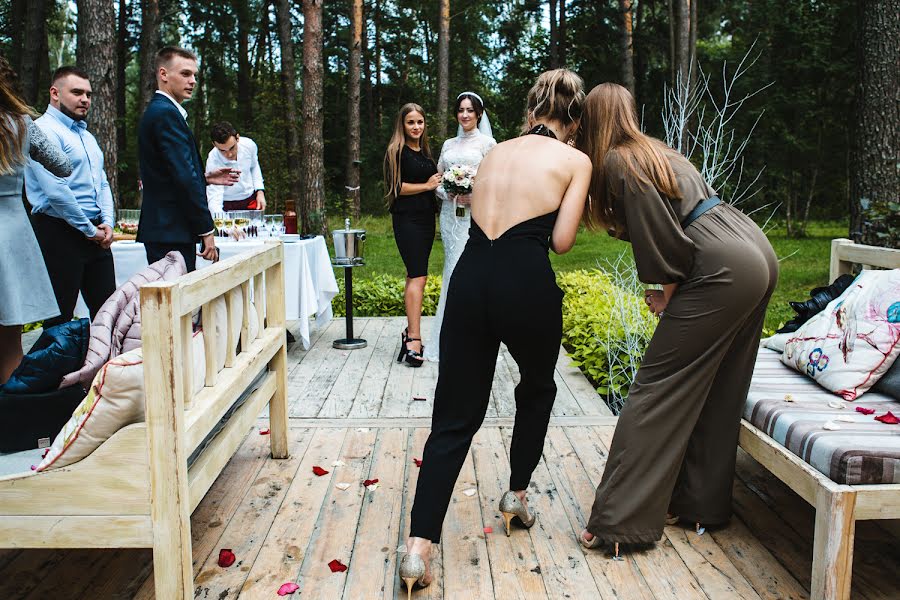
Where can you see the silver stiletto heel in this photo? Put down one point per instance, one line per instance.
(511, 507)
(412, 572)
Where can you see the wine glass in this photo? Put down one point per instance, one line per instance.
(279, 224)
(219, 222)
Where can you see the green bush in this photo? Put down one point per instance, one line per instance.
(382, 296)
(606, 329)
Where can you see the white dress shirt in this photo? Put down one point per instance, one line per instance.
(251, 175)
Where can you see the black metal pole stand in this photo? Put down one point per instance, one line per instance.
(349, 343)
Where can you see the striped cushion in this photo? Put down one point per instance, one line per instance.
(865, 451)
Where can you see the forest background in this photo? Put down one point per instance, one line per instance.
(318, 87)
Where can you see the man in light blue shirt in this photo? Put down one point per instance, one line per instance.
(73, 216)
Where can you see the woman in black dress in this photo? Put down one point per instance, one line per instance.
(410, 176)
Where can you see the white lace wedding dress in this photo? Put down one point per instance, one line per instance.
(465, 149)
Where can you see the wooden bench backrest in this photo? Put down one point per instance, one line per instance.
(845, 253)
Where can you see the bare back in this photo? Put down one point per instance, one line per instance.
(529, 176)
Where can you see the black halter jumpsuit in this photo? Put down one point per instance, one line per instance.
(502, 290)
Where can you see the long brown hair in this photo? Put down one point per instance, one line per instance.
(556, 95)
(12, 122)
(392, 177)
(610, 124)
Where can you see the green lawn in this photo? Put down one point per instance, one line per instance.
(804, 262)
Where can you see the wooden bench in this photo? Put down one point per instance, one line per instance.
(136, 490)
(838, 507)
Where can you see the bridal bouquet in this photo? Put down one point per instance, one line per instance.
(458, 180)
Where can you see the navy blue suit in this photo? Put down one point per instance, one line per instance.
(174, 213)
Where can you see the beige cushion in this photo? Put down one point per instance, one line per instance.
(854, 340)
(116, 399)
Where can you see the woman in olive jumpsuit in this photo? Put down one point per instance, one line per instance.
(674, 446)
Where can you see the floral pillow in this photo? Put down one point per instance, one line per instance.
(848, 346)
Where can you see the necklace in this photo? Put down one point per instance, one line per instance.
(542, 130)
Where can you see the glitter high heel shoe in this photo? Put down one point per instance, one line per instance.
(511, 507)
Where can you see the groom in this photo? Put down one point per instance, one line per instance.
(174, 214)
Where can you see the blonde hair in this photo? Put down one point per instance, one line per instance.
(610, 125)
(556, 95)
(392, 175)
(13, 129)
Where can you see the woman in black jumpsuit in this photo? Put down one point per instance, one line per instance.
(504, 290)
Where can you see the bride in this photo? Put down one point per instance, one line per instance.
(473, 140)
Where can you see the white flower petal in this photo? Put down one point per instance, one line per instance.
(831, 426)
(342, 486)
(469, 492)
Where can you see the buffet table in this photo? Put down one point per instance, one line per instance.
(309, 282)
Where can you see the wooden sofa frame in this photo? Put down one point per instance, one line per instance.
(136, 490)
(838, 507)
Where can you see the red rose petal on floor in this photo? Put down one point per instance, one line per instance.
(864, 410)
(319, 471)
(337, 566)
(418, 462)
(287, 589)
(888, 418)
(489, 530)
(369, 482)
(226, 557)
(263, 432)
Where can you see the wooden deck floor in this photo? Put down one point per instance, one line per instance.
(353, 414)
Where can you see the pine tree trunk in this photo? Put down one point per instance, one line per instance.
(367, 78)
(379, 109)
(561, 34)
(313, 167)
(673, 59)
(96, 55)
(554, 37)
(440, 130)
(353, 106)
(874, 176)
(692, 43)
(289, 88)
(626, 45)
(121, 64)
(682, 42)
(245, 83)
(149, 43)
(34, 72)
(17, 20)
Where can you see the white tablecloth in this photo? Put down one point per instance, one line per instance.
(309, 282)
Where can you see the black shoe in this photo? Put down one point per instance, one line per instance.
(403, 350)
(413, 358)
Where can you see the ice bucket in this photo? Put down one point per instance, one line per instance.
(348, 244)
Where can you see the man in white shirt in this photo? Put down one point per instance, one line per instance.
(240, 153)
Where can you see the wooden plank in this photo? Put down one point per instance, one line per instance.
(561, 561)
(370, 394)
(116, 575)
(287, 541)
(202, 285)
(769, 578)
(584, 393)
(210, 344)
(68, 531)
(465, 556)
(248, 528)
(164, 408)
(435, 591)
(877, 501)
(372, 569)
(513, 564)
(423, 386)
(832, 567)
(230, 342)
(336, 526)
(343, 393)
(568, 450)
(187, 359)
(503, 390)
(714, 571)
(259, 303)
(275, 315)
(397, 396)
(426, 422)
(322, 380)
(29, 570)
(300, 377)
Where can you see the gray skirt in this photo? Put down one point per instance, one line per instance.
(26, 294)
